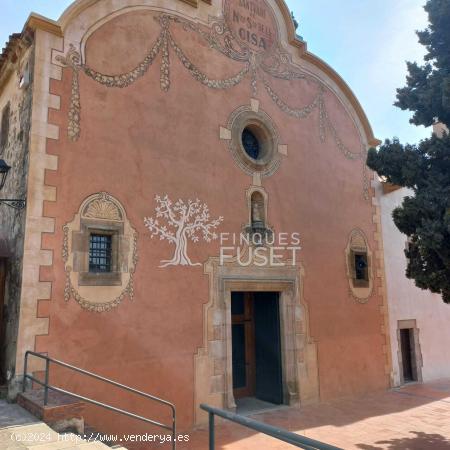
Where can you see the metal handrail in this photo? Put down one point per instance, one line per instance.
(48, 387)
(277, 433)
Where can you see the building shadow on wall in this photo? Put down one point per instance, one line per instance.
(419, 441)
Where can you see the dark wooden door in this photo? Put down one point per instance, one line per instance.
(243, 344)
(269, 383)
(407, 354)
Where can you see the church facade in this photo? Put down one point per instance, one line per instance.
(200, 221)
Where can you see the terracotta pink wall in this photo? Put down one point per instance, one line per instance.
(137, 142)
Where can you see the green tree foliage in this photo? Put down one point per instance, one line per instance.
(424, 216)
(427, 93)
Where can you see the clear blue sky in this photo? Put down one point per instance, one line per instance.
(367, 42)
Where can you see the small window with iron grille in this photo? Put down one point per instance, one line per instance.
(100, 253)
(360, 265)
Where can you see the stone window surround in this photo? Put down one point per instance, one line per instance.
(261, 125)
(253, 117)
(114, 229)
(264, 137)
(361, 291)
(265, 198)
(99, 292)
(360, 283)
(418, 360)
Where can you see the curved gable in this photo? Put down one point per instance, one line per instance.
(202, 11)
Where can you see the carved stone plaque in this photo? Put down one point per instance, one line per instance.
(252, 23)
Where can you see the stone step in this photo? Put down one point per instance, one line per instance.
(62, 412)
(39, 436)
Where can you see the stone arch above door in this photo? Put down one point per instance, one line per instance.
(212, 363)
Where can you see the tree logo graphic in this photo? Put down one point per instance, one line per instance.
(185, 221)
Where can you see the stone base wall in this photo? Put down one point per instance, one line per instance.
(12, 221)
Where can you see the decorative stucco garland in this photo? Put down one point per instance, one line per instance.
(298, 113)
(277, 64)
(201, 77)
(127, 79)
(73, 60)
(100, 207)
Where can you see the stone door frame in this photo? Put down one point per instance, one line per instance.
(417, 360)
(213, 382)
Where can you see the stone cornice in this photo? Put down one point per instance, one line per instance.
(38, 22)
(324, 67)
(12, 53)
(19, 41)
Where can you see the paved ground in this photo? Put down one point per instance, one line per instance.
(13, 415)
(416, 417)
(21, 431)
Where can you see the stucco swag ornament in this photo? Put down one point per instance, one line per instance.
(256, 46)
(100, 213)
